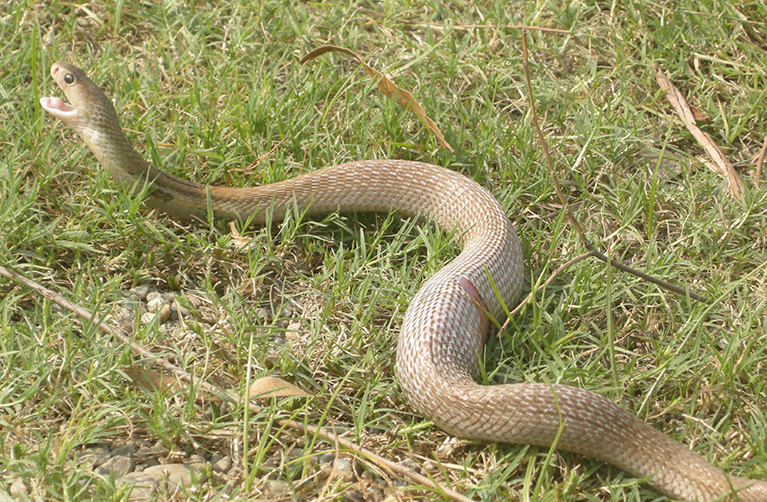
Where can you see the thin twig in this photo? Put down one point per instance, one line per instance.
(483, 26)
(566, 206)
(325, 434)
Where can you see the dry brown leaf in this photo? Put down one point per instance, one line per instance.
(239, 242)
(723, 165)
(270, 386)
(699, 115)
(404, 98)
(151, 380)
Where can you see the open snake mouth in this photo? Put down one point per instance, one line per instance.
(58, 108)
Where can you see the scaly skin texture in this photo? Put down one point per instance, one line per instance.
(444, 328)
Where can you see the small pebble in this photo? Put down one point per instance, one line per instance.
(139, 479)
(139, 292)
(326, 458)
(155, 304)
(262, 314)
(177, 474)
(343, 470)
(197, 459)
(164, 313)
(147, 318)
(18, 488)
(277, 489)
(116, 467)
(125, 450)
(150, 462)
(144, 486)
(295, 454)
(222, 464)
(140, 493)
(294, 328)
(94, 456)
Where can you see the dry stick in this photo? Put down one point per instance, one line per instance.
(568, 211)
(482, 26)
(226, 396)
(723, 165)
(759, 162)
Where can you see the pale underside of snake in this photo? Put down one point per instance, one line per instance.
(446, 324)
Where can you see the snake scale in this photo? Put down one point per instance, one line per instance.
(446, 324)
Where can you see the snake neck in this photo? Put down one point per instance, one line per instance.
(107, 141)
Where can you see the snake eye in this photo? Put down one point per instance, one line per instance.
(69, 78)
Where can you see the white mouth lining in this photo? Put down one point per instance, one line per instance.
(58, 108)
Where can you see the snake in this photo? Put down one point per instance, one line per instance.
(447, 322)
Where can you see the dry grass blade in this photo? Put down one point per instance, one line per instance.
(687, 115)
(759, 163)
(404, 98)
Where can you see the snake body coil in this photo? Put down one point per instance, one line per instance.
(444, 327)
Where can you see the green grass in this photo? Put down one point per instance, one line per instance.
(208, 89)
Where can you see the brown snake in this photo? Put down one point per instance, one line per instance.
(445, 326)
